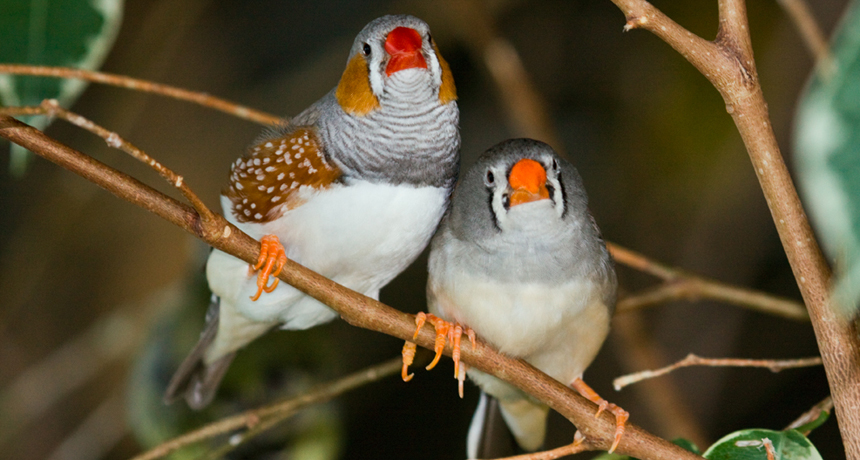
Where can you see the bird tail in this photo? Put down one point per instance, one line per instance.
(499, 427)
(196, 380)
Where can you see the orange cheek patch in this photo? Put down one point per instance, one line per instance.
(447, 92)
(353, 92)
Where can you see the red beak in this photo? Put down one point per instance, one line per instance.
(404, 46)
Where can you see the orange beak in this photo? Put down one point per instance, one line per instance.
(528, 179)
(404, 46)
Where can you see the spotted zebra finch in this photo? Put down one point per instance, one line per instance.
(352, 188)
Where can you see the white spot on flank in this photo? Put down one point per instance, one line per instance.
(245, 200)
(295, 147)
(261, 187)
(258, 216)
(266, 160)
(247, 212)
(281, 176)
(270, 190)
(261, 177)
(275, 199)
(268, 145)
(253, 205)
(297, 156)
(283, 187)
(256, 162)
(239, 186)
(270, 168)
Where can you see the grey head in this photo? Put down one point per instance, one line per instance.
(370, 43)
(547, 237)
(393, 116)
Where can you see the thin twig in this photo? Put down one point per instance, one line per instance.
(825, 405)
(275, 412)
(799, 13)
(122, 81)
(51, 107)
(775, 365)
(578, 445)
(356, 309)
(682, 285)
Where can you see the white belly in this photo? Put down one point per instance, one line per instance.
(558, 329)
(361, 236)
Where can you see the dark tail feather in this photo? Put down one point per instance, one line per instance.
(195, 380)
(489, 435)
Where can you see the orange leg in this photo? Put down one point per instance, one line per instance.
(271, 253)
(408, 354)
(444, 330)
(621, 415)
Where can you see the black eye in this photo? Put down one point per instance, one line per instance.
(554, 164)
(490, 179)
(429, 38)
(366, 49)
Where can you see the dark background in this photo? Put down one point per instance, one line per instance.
(664, 166)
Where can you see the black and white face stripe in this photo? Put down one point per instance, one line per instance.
(499, 190)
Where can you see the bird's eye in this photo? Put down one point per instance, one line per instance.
(490, 179)
(366, 49)
(429, 38)
(554, 164)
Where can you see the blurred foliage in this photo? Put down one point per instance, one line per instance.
(287, 364)
(827, 144)
(66, 33)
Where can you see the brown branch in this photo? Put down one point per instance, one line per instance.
(579, 444)
(775, 365)
(813, 37)
(728, 64)
(245, 113)
(682, 285)
(273, 413)
(51, 107)
(355, 308)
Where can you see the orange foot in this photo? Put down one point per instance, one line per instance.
(621, 415)
(444, 330)
(271, 252)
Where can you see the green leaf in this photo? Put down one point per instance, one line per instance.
(827, 149)
(68, 33)
(748, 445)
(687, 445)
(807, 428)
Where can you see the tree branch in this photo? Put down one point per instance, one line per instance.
(355, 308)
(682, 285)
(122, 81)
(728, 64)
(775, 365)
(813, 37)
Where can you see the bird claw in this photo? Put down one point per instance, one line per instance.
(444, 331)
(408, 354)
(621, 415)
(271, 253)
